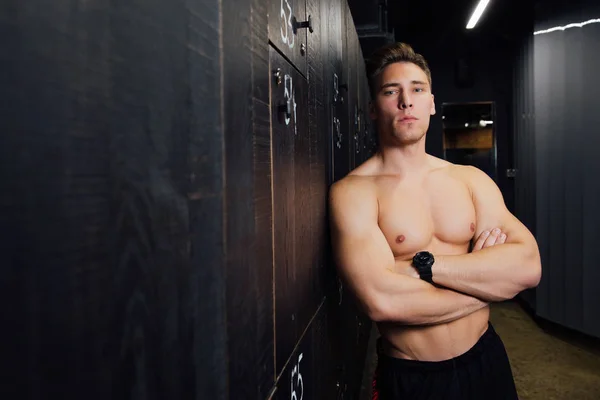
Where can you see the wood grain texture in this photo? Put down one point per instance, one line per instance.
(310, 371)
(159, 228)
(284, 34)
(318, 147)
(264, 366)
(297, 285)
(249, 282)
(115, 256)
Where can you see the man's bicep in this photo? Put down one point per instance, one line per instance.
(360, 249)
(491, 209)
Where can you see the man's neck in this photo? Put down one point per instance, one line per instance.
(402, 160)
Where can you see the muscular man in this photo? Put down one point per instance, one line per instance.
(402, 225)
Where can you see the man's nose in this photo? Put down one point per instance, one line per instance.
(405, 101)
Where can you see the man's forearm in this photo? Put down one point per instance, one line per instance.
(411, 301)
(442, 306)
(492, 274)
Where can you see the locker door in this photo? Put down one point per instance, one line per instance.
(289, 30)
(298, 289)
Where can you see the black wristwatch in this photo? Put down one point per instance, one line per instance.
(423, 261)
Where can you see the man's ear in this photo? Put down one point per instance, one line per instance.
(432, 111)
(372, 112)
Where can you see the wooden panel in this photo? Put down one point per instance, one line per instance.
(285, 33)
(351, 72)
(310, 372)
(249, 278)
(297, 285)
(318, 135)
(111, 280)
(164, 232)
(263, 362)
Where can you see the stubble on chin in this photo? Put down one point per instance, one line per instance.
(408, 136)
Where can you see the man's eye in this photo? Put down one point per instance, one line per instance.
(418, 89)
(388, 92)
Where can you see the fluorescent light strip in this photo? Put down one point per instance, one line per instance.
(574, 25)
(477, 13)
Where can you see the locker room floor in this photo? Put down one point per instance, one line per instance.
(548, 363)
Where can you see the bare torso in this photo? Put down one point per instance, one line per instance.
(433, 212)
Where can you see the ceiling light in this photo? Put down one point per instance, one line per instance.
(477, 13)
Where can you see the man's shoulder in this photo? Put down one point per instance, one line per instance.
(467, 173)
(472, 175)
(478, 182)
(353, 202)
(359, 181)
(353, 185)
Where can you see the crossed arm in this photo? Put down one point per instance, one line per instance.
(494, 273)
(366, 263)
(464, 283)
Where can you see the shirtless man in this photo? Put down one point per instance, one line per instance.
(402, 225)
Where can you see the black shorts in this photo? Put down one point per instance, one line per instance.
(482, 373)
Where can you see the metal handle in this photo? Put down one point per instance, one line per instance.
(305, 24)
(286, 109)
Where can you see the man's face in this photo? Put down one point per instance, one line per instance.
(403, 104)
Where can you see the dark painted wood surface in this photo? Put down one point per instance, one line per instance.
(163, 230)
(112, 208)
(289, 31)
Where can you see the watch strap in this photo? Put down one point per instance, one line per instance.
(426, 274)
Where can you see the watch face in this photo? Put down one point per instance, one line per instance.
(423, 258)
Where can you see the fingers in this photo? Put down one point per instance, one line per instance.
(501, 238)
(489, 238)
(481, 240)
(492, 238)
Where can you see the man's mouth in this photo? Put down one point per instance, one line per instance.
(408, 119)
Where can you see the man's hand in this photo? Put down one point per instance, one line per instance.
(486, 239)
(489, 239)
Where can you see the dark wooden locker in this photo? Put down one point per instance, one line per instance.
(317, 141)
(338, 86)
(164, 231)
(249, 270)
(112, 276)
(290, 28)
(310, 372)
(350, 61)
(298, 290)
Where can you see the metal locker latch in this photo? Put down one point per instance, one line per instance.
(286, 109)
(305, 24)
(277, 76)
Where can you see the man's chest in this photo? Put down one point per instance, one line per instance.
(414, 218)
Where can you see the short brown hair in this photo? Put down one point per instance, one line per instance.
(389, 54)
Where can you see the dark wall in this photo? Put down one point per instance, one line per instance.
(565, 87)
(524, 143)
(164, 177)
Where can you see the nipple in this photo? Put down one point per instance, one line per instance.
(400, 239)
(472, 227)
